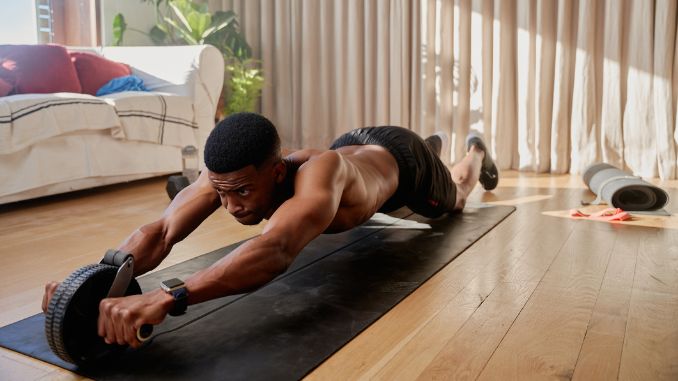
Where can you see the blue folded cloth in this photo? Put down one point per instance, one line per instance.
(126, 83)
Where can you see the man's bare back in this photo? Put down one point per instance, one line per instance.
(370, 177)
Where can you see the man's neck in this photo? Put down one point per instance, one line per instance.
(285, 190)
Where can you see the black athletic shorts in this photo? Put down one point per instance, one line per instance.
(424, 184)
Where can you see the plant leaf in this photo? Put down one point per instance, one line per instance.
(199, 23)
(119, 27)
(180, 7)
(221, 16)
(186, 35)
(158, 35)
(244, 84)
(215, 29)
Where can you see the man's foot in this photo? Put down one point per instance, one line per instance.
(489, 175)
(437, 141)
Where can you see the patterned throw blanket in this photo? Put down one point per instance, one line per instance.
(150, 117)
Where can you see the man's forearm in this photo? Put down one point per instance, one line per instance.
(250, 266)
(149, 246)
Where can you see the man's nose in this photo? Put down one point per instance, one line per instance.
(234, 206)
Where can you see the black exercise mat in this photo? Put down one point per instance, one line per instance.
(336, 288)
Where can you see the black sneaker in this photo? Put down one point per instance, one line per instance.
(437, 142)
(489, 175)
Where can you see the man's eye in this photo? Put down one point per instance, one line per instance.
(243, 192)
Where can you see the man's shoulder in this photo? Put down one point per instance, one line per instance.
(321, 161)
(313, 156)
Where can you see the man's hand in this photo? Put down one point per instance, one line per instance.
(50, 288)
(119, 318)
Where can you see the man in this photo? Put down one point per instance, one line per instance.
(302, 195)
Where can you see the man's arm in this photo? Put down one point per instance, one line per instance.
(319, 185)
(151, 243)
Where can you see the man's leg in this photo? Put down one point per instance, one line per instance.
(465, 174)
(474, 167)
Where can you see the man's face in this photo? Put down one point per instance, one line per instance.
(248, 193)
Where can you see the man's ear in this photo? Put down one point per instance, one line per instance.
(279, 171)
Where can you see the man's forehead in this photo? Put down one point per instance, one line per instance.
(233, 179)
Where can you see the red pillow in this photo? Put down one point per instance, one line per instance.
(5, 87)
(95, 71)
(38, 69)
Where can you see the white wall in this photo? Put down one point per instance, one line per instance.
(18, 24)
(138, 15)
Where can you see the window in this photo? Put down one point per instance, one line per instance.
(18, 23)
(66, 22)
(75, 22)
(43, 12)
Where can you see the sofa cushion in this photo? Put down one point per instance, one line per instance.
(5, 87)
(38, 69)
(95, 71)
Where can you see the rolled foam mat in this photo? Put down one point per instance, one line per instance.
(337, 287)
(623, 190)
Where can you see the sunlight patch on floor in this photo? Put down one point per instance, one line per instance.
(521, 200)
(653, 221)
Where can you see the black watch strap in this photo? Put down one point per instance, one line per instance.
(180, 302)
(177, 289)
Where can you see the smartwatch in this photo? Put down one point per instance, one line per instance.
(177, 289)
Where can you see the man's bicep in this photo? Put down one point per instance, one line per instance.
(301, 219)
(318, 189)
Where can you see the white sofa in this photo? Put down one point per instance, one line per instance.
(56, 143)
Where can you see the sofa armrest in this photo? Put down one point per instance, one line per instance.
(181, 70)
(195, 71)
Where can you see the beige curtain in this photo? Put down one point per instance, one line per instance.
(554, 85)
(331, 66)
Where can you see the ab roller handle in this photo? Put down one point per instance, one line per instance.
(125, 274)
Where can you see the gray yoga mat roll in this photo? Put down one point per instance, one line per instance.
(623, 190)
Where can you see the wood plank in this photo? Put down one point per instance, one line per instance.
(465, 355)
(12, 368)
(600, 355)
(546, 337)
(15, 366)
(651, 342)
(657, 269)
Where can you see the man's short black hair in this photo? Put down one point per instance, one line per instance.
(239, 140)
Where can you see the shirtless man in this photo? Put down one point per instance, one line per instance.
(302, 195)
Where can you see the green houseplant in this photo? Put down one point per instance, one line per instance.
(187, 22)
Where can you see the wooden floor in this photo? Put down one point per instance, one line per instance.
(539, 297)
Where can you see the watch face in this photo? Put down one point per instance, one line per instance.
(172, 284)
